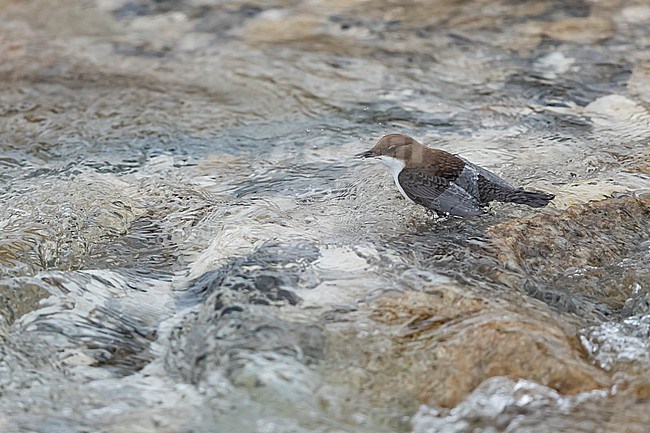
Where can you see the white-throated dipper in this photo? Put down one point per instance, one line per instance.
(445, 182)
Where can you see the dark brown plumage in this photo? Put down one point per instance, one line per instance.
(445, 182)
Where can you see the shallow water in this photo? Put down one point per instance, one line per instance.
(188, 245)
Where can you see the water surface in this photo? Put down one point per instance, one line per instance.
(188, 245)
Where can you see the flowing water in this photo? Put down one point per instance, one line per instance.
(187, 244)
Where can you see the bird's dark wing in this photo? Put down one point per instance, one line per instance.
(438, 193)
(487, 174)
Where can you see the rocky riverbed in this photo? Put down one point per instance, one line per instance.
(187, 244)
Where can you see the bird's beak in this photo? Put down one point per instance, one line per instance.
(366, 154)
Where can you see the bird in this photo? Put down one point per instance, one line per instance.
(444, 182)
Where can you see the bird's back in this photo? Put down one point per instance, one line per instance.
(436, 163)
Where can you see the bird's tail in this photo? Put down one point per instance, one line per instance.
(530, 198)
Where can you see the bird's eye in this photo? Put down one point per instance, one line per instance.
(392, 148)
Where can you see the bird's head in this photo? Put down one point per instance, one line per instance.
(397, 146)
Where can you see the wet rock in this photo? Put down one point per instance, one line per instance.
(592, 250)
(436, 347)
(235, 330)
(265, 277)
(623, 346)
(501, 404)
(638, 303)
(248, 344)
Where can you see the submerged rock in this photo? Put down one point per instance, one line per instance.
(234, 329)
(590, 253)
(501, 404)
(436, 347)
(620, 346)
(267, 276)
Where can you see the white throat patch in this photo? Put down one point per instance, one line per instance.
(395, 166)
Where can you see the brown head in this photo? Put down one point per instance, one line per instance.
(397, 146)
